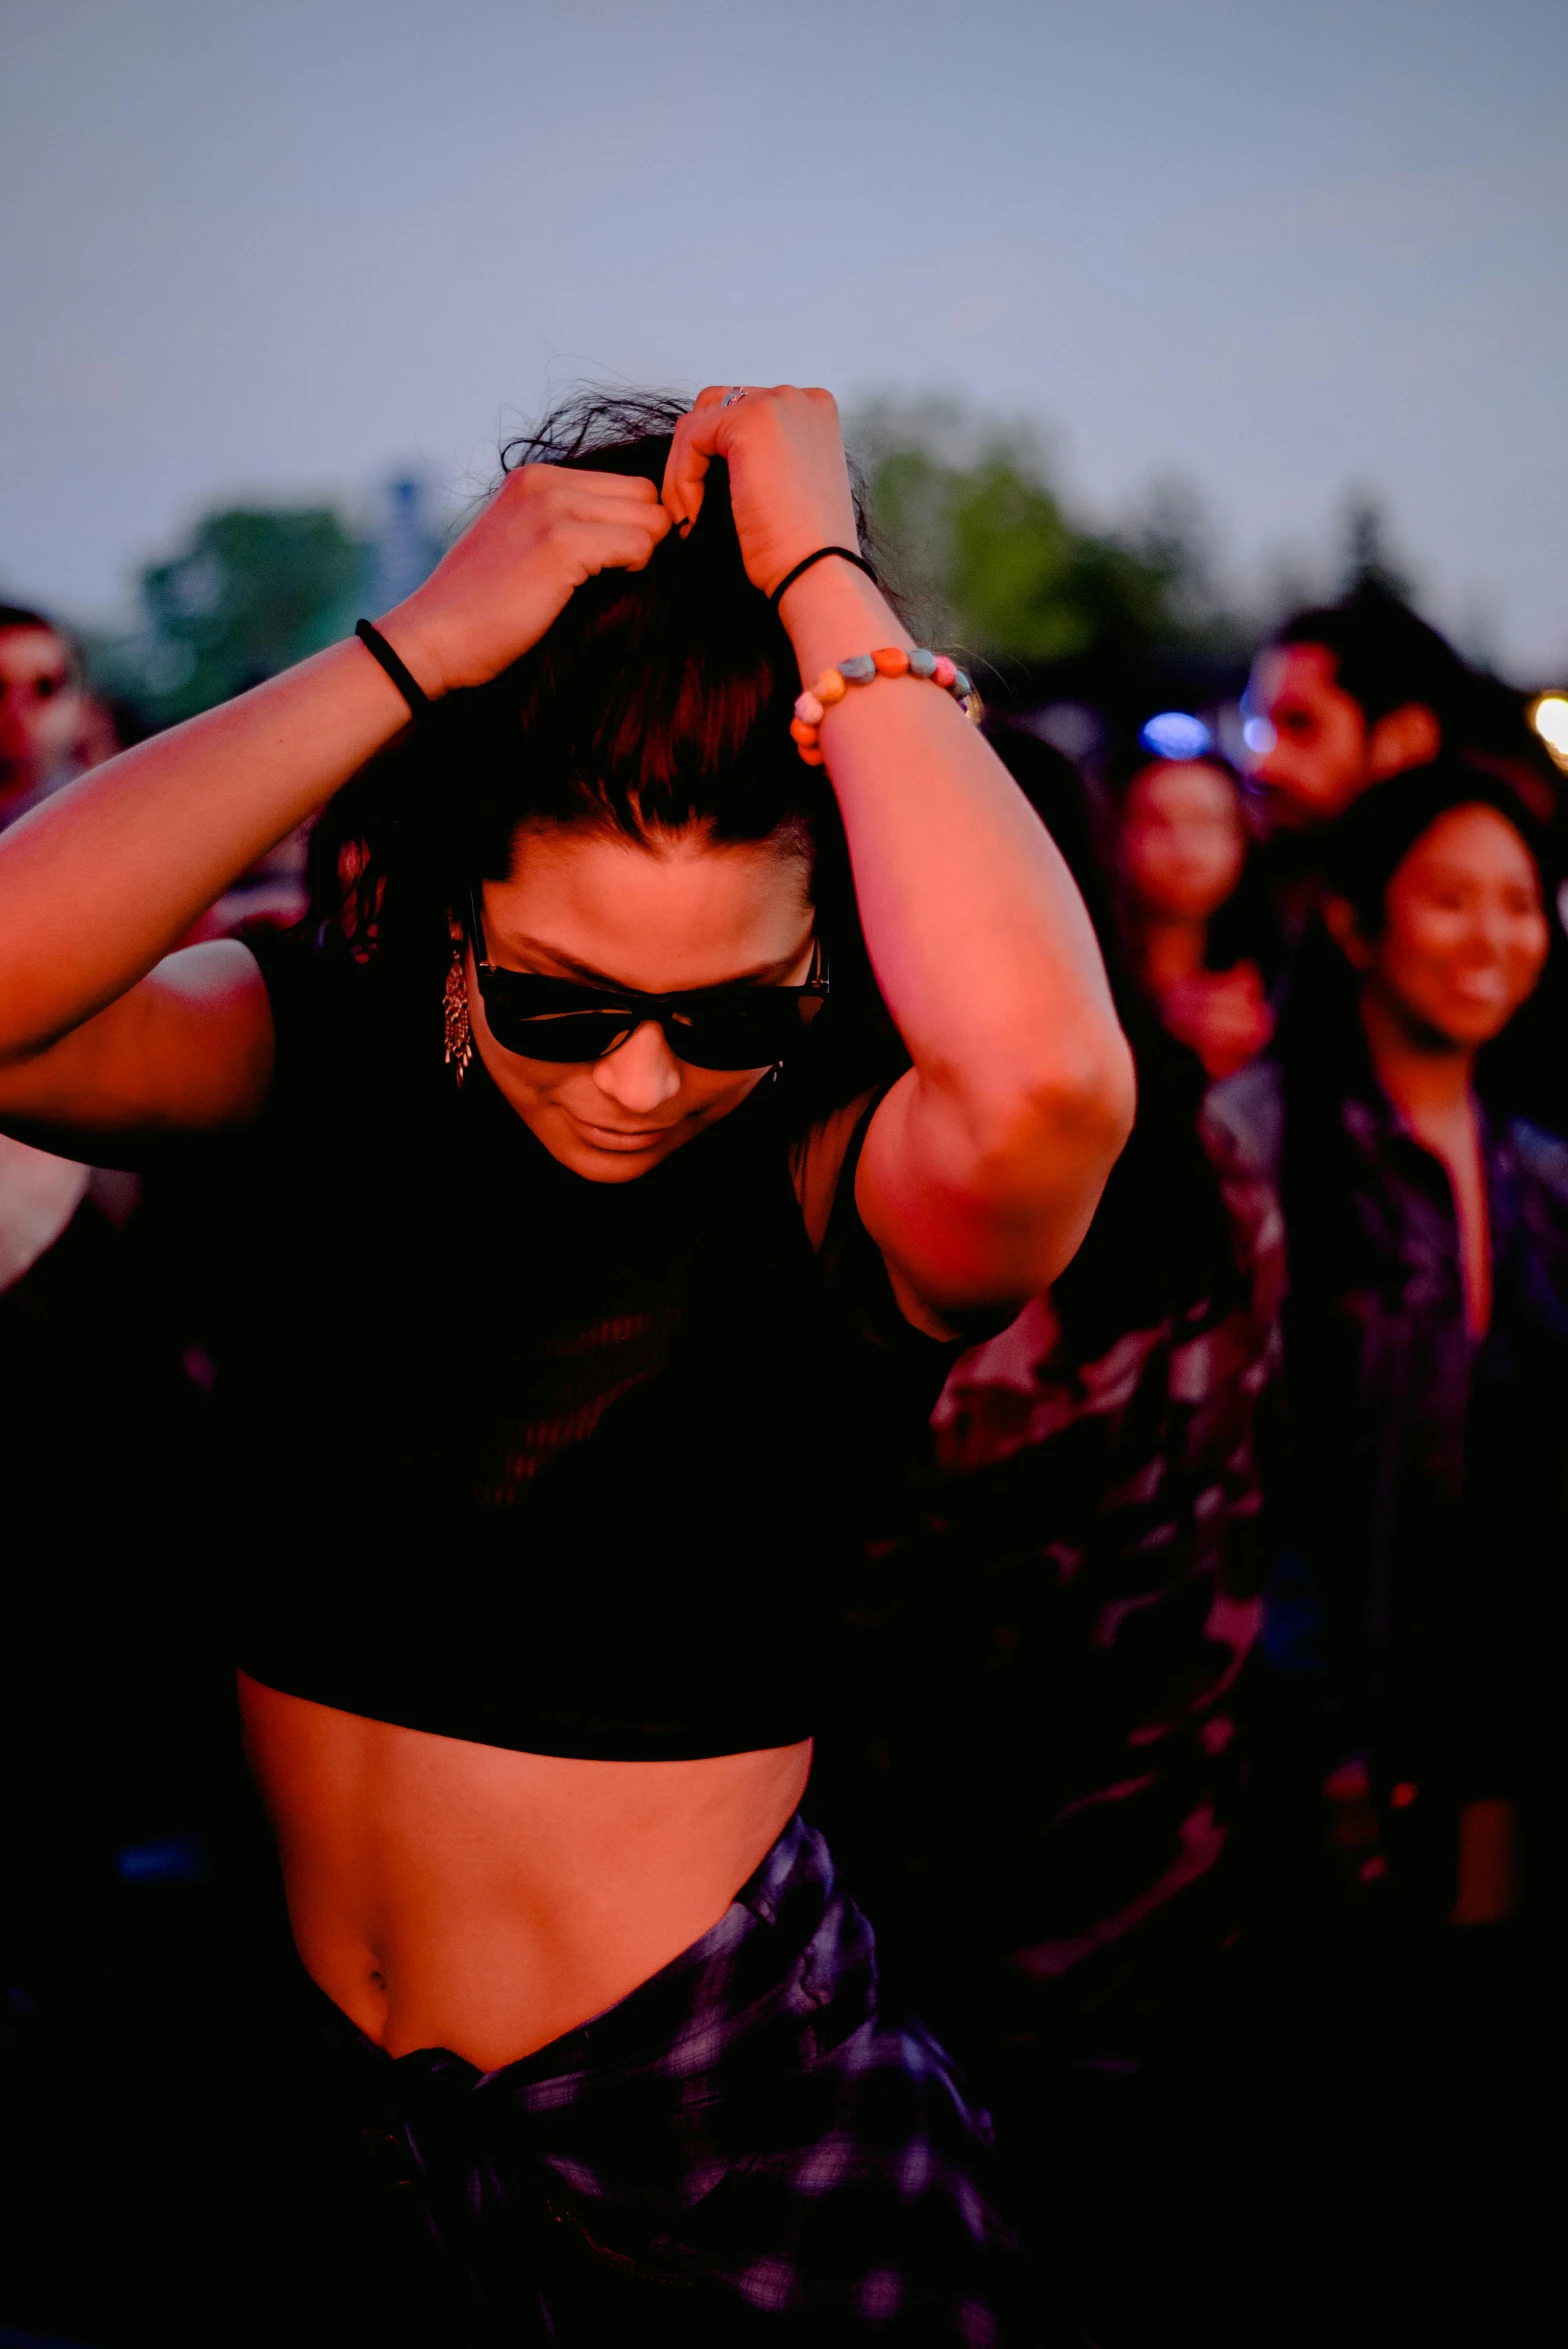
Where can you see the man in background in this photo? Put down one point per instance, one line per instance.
(101, 1435)
(1346, 696)
(51, 728)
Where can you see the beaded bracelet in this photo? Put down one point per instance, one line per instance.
(863, 669)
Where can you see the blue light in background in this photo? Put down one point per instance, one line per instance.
(173, 1859)
(1176, 734)
(10, 2338)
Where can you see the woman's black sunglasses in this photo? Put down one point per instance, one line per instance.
(708, 1027)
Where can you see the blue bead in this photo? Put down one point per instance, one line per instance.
(921, 662)
(859, 669)
(961, 686)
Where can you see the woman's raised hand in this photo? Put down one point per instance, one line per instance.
(789, 485)
(511, 573)
(552, 527)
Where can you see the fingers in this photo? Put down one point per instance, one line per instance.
(632, 488)
(613, 541)
(714, 395)
(579, 500)
(702, 434)
(575, 524)
(779, 414)
(552, 503)
(580, 487)
(607, 546)
(697, 441)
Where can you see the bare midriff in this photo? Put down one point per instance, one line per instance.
(474, 1898)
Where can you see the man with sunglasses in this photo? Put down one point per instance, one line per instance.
(50, 731)
(50, 728)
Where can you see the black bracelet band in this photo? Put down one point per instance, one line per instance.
(419, 702)
(821, 556)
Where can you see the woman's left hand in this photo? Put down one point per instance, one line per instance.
(1223, 1016)
(789, 484)
(982, 1165)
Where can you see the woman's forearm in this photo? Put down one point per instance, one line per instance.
(979, 938)
(981, 1169)
(99, 883)
(103, 879)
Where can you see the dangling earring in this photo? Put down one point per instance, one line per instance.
(454, 1011)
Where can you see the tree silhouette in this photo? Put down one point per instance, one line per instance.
(973, 527)
(252, 590)
(1369, 559)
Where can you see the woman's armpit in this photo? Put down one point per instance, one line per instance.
(817, 1164)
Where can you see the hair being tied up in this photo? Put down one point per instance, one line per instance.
(658, 701)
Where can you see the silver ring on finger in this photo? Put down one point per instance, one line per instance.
(736, 392)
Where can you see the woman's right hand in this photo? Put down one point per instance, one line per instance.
(510, 575)
(1223, 1016)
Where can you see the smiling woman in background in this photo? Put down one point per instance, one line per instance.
(1426, 1329)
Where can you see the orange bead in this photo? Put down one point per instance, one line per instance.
(813, 758)
(805, 735)
(891, 661)
(830, 687)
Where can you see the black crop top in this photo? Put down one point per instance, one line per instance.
(528, 1460)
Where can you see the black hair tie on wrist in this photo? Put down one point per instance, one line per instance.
(821, 556)
(418, 700)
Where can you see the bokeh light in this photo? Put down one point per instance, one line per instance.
(1549, 717)
(1176, 734)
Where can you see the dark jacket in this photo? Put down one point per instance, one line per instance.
(1425, 1485)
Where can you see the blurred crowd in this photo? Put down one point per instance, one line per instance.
(1194, 1749)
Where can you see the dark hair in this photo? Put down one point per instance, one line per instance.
(1124, 770)
(1246, 926)
(22, 616)
(1321, 1043)
(1364, 850)
(1386, 656)
(659, 700)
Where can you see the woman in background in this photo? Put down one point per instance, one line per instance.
(1181, 856)
(1426, 1330)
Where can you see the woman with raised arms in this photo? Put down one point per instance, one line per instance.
(580, 1235)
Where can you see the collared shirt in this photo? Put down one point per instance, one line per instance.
(1039, 1740)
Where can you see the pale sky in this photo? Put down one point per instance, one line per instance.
(1282, 248)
